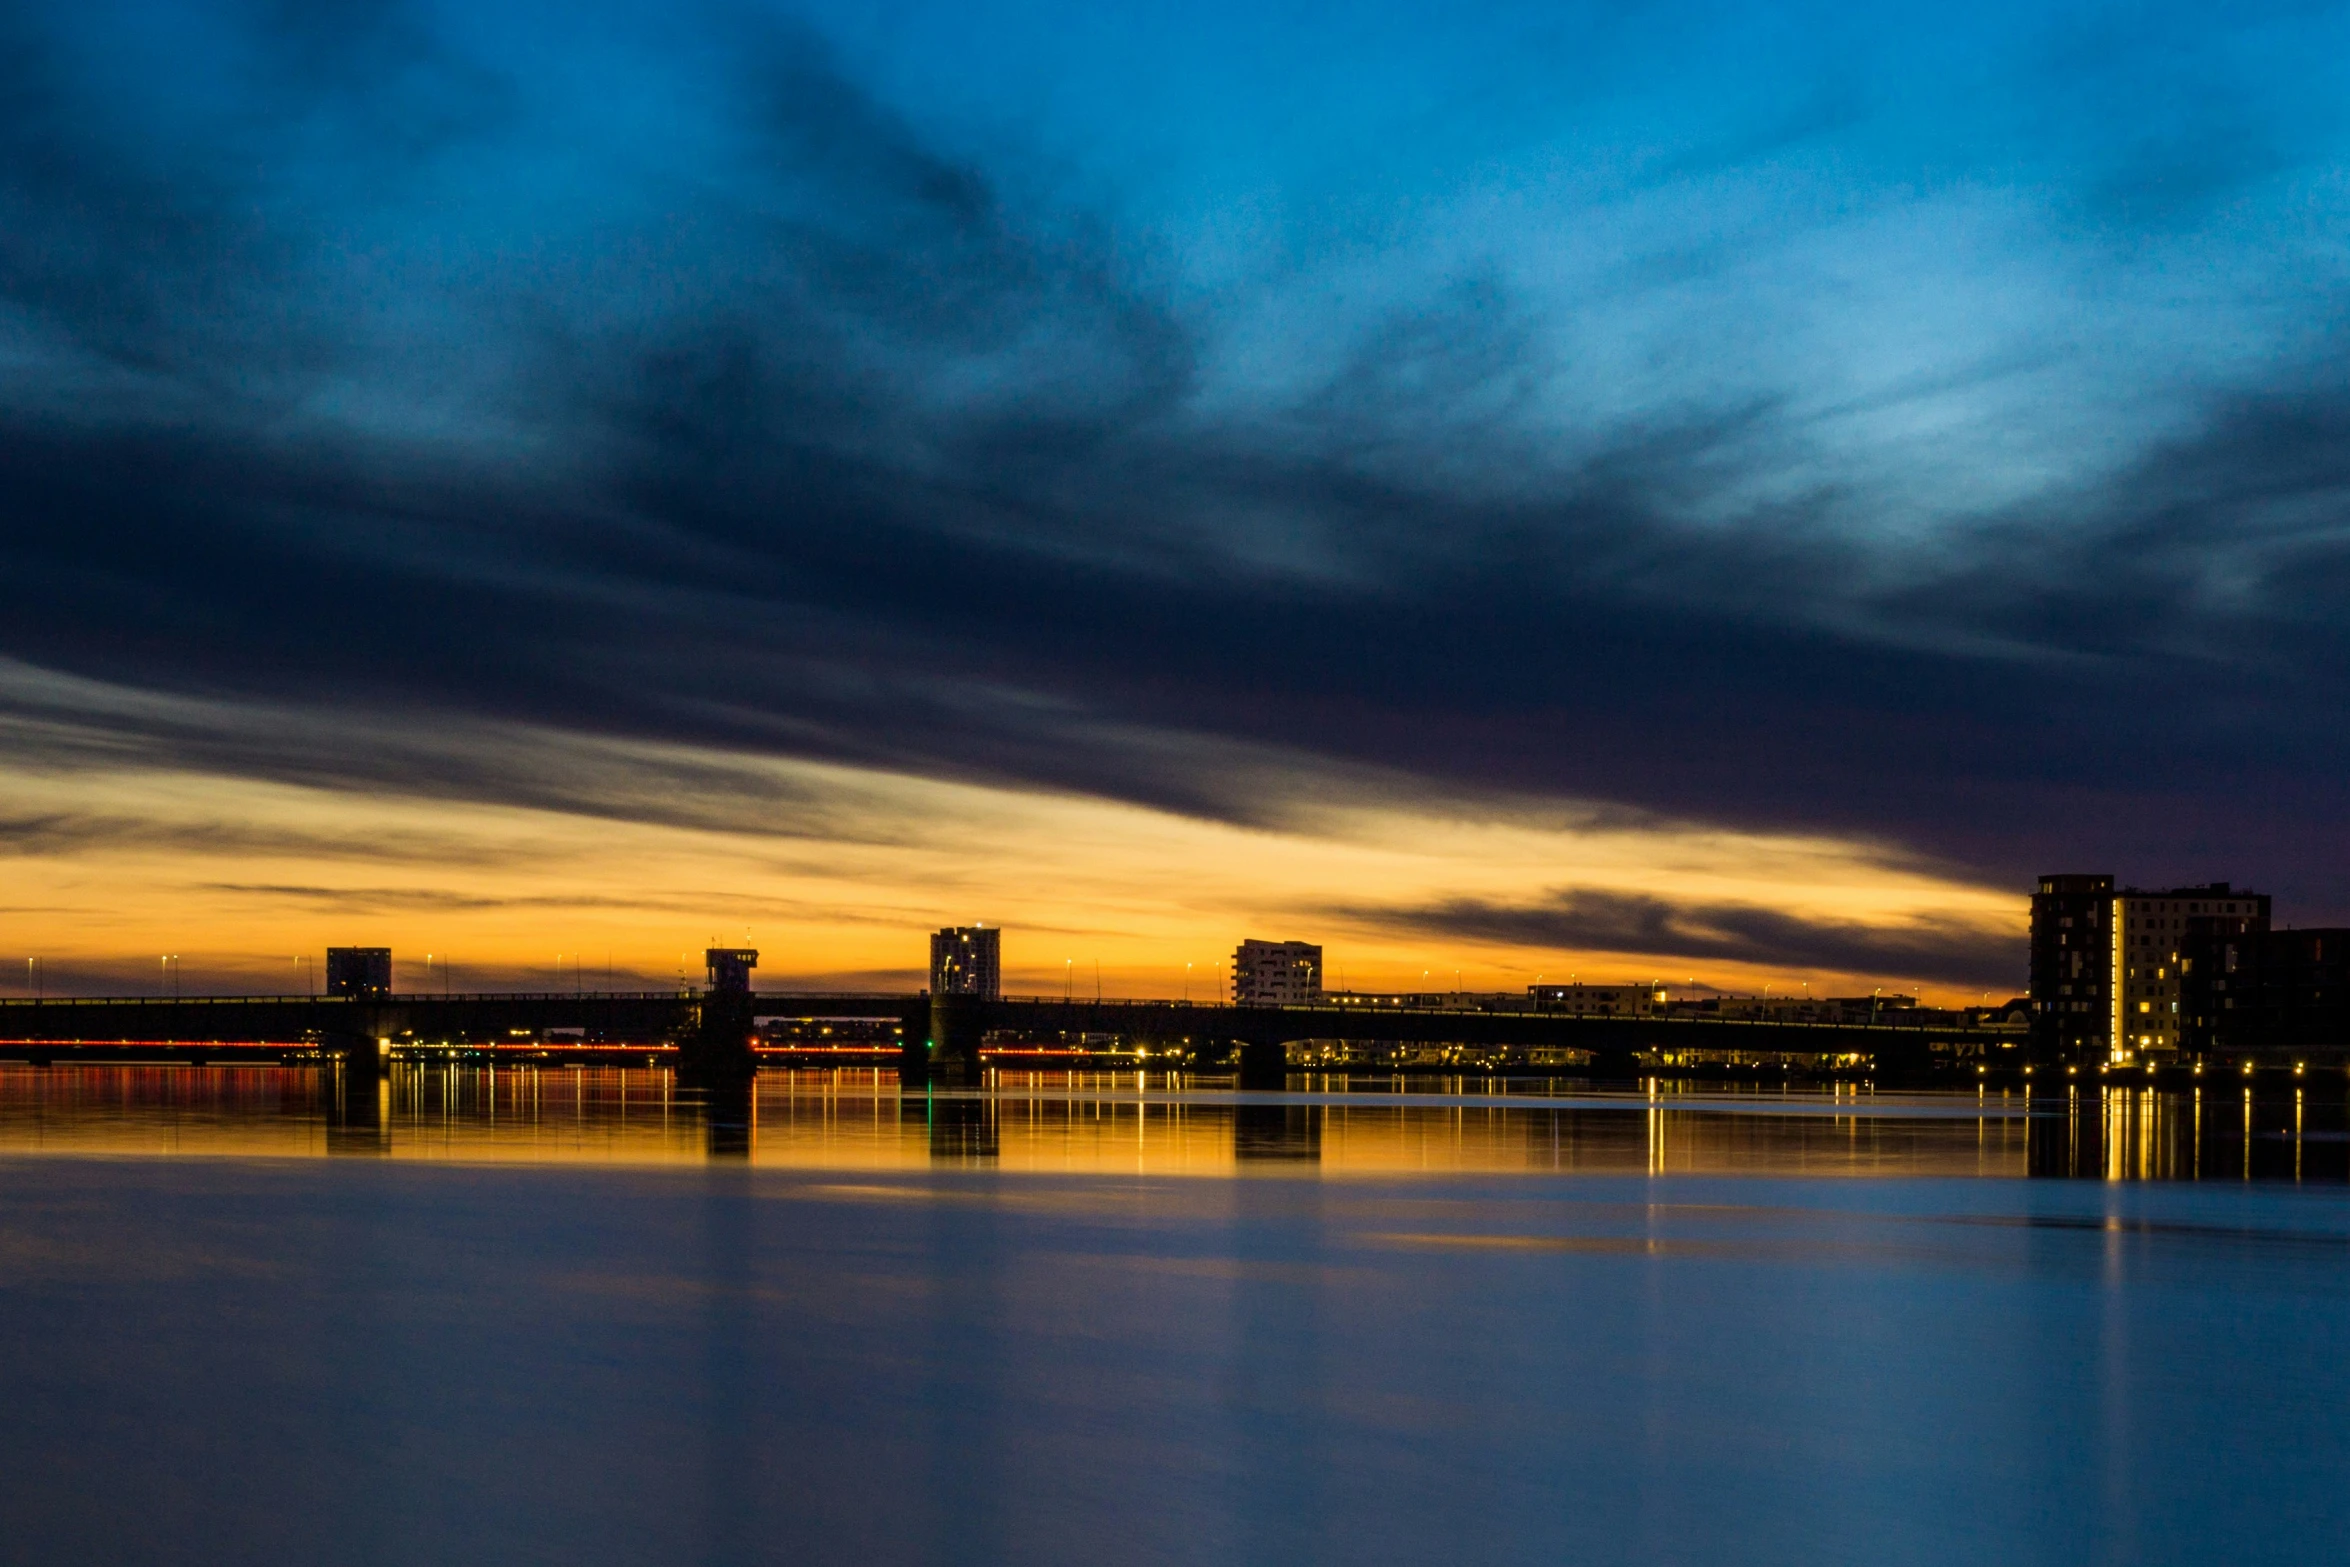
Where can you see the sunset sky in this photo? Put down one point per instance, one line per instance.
(1619, 492)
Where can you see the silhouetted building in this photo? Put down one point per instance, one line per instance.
(967, 960)
(730, 968)
(2072, 966)
(2223, 993)
(1276, 973)
(359, 971)
(2305, 986)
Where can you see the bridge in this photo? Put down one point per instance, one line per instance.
(715, 1033)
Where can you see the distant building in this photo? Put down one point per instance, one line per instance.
(2072, 966)
(359, 971)
(1276, 973)
(1580, 1000)
(967, 960)
(2134, 973)
(2159, 934)
(730, 968)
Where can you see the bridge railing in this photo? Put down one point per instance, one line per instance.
(778, 1003)
(1891, 1018)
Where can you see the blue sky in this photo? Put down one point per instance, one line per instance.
(1920, 427)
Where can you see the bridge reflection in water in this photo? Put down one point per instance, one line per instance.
(1160, 1124)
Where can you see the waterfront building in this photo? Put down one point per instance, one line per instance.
(359, 971)
(2145, 974)
(2157, 933)
(1276, 973)
(2072, 966)
(967, 960)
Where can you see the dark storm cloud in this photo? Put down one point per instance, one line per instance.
(1588, 921)
(810, 439)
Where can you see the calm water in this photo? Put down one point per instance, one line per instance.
(578, 1317)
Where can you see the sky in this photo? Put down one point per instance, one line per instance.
(1623, 492)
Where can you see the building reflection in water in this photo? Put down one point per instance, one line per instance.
(1158, 1124)
(2223, 1132)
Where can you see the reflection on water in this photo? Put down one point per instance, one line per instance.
(1164, 1124)
(829, 1321)
(2218, 1133)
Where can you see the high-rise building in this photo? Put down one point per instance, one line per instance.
(2157, 933)
(359, 971)
(967, 960)
(1276, 973)
(2072, 966)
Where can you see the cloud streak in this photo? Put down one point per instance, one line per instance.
(1635, 925)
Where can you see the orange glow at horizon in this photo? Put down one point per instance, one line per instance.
(244, 880)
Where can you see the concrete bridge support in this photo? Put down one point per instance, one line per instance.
(1615, 1065)
(355, 1090)
(717, 1049)
(1262, 1065)
(958, 1025)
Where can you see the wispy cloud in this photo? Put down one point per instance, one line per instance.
(1750, 935)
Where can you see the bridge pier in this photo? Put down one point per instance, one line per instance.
(355, 1094)
(718, 1047)
(958, 1025)
(1615, 1065)
(1262, 1065)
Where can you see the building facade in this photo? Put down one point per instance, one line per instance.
(1276, 973)
(1580, 1000)
(967, 960)
(2138, 974)
(2072, 967)
(2158, 934)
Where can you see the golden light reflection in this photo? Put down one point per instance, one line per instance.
(856, 1121)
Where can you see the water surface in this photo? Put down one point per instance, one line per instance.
(581, 1318)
